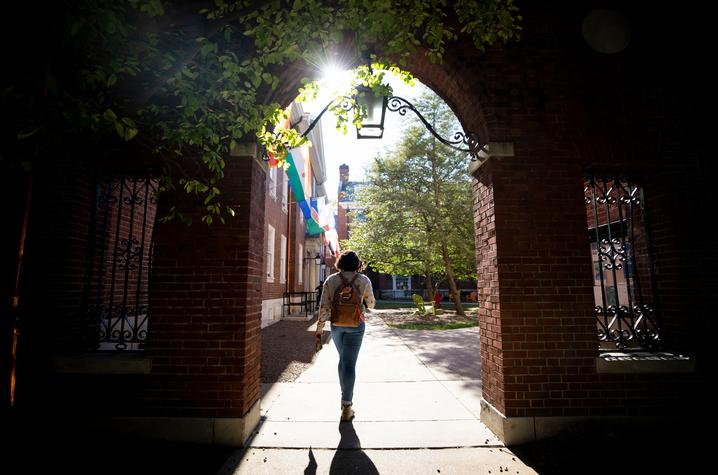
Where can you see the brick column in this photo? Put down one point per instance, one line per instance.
(206, 310)
(535, 289)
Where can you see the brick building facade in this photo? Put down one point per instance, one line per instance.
(550, 107)
(290, 252)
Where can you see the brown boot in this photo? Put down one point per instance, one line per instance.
(347, 412)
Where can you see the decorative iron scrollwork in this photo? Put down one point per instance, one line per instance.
(470, 140)
(618, 234)
(117, 296)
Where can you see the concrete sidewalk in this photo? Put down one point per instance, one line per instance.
(417, 403)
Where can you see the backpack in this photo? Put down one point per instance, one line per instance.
(347, 305)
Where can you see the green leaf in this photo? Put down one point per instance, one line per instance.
(130, 133)
(206, 49)
(109, 115)
(120, 129)
(25, 135)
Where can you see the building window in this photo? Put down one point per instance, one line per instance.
(402, 282)
(283, 260)
(117, 291)
(285, 192)
(273, 182)
(300, 263)
(270, 253)
(623, 277)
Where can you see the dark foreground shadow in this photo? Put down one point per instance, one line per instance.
(349, 457)
(613, 453)
(28, 447)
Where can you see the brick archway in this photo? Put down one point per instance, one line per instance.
(539, 104)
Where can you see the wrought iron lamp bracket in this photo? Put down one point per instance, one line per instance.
(469, 141)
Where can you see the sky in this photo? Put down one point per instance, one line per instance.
(340, 148)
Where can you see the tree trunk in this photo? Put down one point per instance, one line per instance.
(429, 283)
(442, 238)
(450, 279)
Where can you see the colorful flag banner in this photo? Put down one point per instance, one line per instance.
(299, 173)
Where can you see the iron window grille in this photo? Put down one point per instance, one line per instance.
(117, 292)
(624, 282)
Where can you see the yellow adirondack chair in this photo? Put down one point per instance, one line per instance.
(424, 308)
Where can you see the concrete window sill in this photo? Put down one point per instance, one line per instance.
(644, 362)
(109, 362)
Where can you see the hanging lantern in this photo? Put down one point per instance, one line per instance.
(372, 127)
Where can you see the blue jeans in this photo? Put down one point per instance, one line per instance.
(347, 340)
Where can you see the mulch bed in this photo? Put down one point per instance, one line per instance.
(399, 316)
(287, 351)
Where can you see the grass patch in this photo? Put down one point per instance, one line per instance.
(392, 304)
(434, 326)
(388, 304)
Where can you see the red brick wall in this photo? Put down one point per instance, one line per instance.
(204, 333)
(275, 216)
(206, 303)
(292, 227)
(52, 289)
(342, 228)
(57, 255)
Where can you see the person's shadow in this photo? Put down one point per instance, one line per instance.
(349, 457)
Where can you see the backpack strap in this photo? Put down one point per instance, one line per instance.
(347, 283)
(356, 289)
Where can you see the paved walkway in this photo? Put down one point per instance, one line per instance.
(417, 394)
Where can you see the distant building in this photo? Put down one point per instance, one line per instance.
(293, 252)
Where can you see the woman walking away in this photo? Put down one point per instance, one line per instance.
(342, 304)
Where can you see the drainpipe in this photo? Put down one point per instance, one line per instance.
(287, 270)
(15, 314)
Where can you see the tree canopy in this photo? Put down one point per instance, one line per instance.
(183, 82)
(417, 208)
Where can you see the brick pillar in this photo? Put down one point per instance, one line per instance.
(537, 326)
(51, 291)
(206, 310)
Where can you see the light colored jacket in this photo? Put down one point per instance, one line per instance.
(332, 284)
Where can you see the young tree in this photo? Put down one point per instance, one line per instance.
(418, 212)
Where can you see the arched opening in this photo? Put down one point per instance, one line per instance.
(409, 382)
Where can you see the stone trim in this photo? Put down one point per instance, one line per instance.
(271, 311)
(644, 362)
(106, 362)
(249, 150)
(521, 430)
(491, 150)
(225, 431)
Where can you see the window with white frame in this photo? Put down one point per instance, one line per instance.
(273, 182)
(285, 192)
(270, 253)
(283, 259)
(300, 263)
